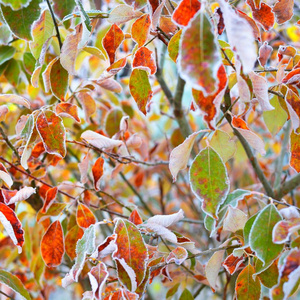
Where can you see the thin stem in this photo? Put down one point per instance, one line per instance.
(227, 58)
(115, 200)
(4, 294)
(55, 24)
(9, 144)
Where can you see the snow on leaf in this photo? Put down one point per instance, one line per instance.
(12, 225)
(131, 255)
(6, 178)
(260, 88)
(100, 141)
(52, 245)
(283, 230)
(180, 155)
(178, 255)
(209, 180)
(166, 220)
(199, 58)
(240, 36)
(52, 132)
(284, 10)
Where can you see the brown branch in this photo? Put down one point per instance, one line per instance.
(9, 144)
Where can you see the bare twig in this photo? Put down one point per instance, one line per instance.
(9, 144)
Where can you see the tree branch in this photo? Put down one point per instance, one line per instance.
(287, 186)
(9, 144)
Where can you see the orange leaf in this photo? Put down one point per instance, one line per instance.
(112, 40)
(97, 171)
(265, 51)
(185, 11)
(68, 110)
(140, 29)
(84, 216)
(50, 197)
(135, 218)
(143, 58)
(71, 239)
(12, 225)
(232, 263)
(295, 151)
(52, 245)
(38, 150)
(252, 23)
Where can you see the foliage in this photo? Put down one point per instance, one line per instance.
(149, 149)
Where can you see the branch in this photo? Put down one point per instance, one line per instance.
(8, 142)
(287, 186)
(55, 24)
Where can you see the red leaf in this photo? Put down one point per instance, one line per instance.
(262, 15)
(50, 197)
(68, 110)
(295, 151)
(106, 247)
(232, 263)
(178, 255)
(185, 11)
(140, 29)
(284, 10)
(71, 239)
(122, 294)
(38, 150)
(135, 218)
(84, 216)
(112, 40)
(52, 132)
(292, 77)
(97, 171)
(221, 25)
(52, 245)
(12, 225)
(143, 58)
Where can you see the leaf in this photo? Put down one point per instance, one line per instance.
(180, 155)
(284, 10)
(88, 104)
(26, 16)
(6, 53)
(186, 295)
(54, 210)
(73, 235)
(135, 218)
(210, 104)
(173, 45)
(292, 101)
(246, 287)
(108, 246)
(20, 195)
(131, 255)
(69, 50)
(140, 29)
(112, 40)
(42, 30)
(262, 15)
(254, 140)
(247, 229)
(14, 283)
(12, 226)
(173, 290)
(83, 168)
(16, 99)
(137, 4)
(59, 80)
(217, 142)
(185, 11)
(283, 230)
(63, 8)
(122, 14)
(111, 85)
(232, 263)
(68, 110)
(262, 243)
(240, 36)
(112, 121)
(52, 132)
(209, 180)
(143, 57)
(295, 151)
(84, 216)
(199, 61)
(52, 245)
(235, 219)
(166, 220)
(122, 293)
(277, 113)
(49, 199)
(140, 88)
(260, 88)
(269, 277)
(100, 141)
(97, 276)
(97, 171)
(45, 75)
(178, 255)
(6, 178)
(265, 51)
(85, 246)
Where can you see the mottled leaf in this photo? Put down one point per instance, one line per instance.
(144, 58)
(232, 263)
(140, 29)
(20, 195)
(283, 230)
(52, 132)
(295, 151)
(73, 235)
(209, 180)
(49, 199)
(173, 46)
(178, 255)
(59, 80)
(99, 141)
(68, 110)
(284, 10)
(84, 216)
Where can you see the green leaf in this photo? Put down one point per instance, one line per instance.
(20, 21)
(29, 62)
(172, 291)
(173, 46)
(5, 34)
(186, 295)
(42, 30)
(6, 53)
(59, 80)
(15, 4)
(199, 58)
(63, 8)
(209, 180)
(14, 283)
(261, 234)
(52, 132)
(112, 121)
(140, 88)
(247, 229)
(247, 288)
(269, 277)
